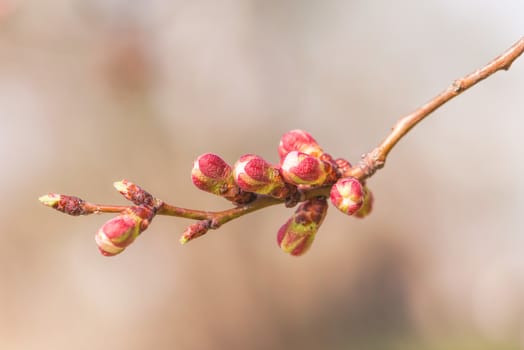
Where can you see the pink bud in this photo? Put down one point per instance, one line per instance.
(298, 140)
(367, 204)
(297, 234)
(254, 174)
(212, 174)
(347, 194)
(302, 169)
(119, 232)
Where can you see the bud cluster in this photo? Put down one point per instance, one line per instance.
(304, 174)
(303, 165)
(122, 230)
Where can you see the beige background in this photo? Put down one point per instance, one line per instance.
(96, 91)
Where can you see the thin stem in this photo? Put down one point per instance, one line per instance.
(221, 217)
(102, 208)
(376, 159)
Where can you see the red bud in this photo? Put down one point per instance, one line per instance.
(298, 140)
(347, 194)
(253, 174)
(212, 174)
(302, 169)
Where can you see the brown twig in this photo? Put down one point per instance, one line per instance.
(221, 217)
(376, 159)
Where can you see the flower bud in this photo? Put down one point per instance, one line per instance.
(134, 193)
(212, 174)
(297, 234)
(367, 204)
(70, 205)
(298, 140)
(254, 174)
(347, 194)
(119, 232)
(302, 169)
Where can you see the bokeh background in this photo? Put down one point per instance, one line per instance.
(93, 91)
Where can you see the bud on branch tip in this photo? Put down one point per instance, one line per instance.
(50, 200)
(134, 193)
(70, 205)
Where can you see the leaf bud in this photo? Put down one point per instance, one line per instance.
(297, 234)
(195, 230)
(70, 205)
(134, 193)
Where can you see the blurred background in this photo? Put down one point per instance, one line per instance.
(93, 91)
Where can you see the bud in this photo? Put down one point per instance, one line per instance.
(298, 140)
(134, 193)
(342, 165)
(367, 204)
(119, 232)
(195, 230)
(254, 174)
(302, 169)
(70, 205)
(347, 194)
(212, 174)
(297, 234)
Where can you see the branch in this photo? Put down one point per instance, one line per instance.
(305, 174)
(376, 159)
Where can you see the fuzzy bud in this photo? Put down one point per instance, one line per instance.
(298, 140)
(119, 232)
(134, 193)
(253, 174)
(342, 165)
(302, 169)
(297, 234)
(212, 174)
(367, 204)
(347, 194)
(195, 230)
(70, 205)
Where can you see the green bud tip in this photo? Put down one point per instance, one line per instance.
(120, 186)
(50, 200)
